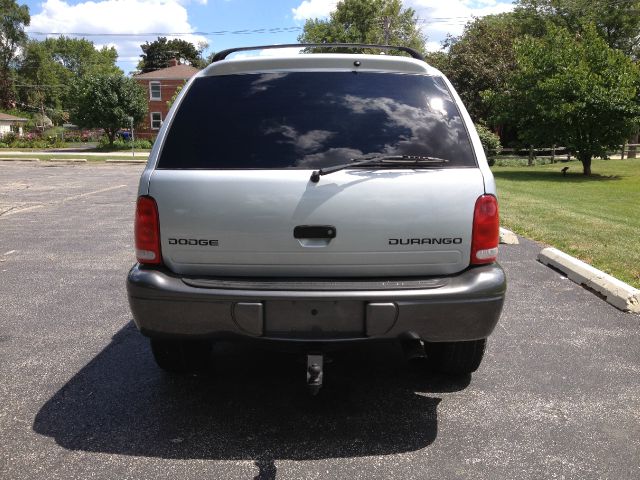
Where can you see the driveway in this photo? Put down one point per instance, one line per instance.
(558, 395)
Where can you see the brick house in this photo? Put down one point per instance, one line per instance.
(161, 85)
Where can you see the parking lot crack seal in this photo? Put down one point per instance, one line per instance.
(20, 209)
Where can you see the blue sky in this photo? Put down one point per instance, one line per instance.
(126, 20)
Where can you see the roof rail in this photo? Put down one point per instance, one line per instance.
(224, 53)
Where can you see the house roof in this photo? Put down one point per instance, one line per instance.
(10, 118)
(179, 72)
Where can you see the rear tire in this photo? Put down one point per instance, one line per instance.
(181, 356)
(455, 358)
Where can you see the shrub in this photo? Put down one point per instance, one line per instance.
(121, 144)
(53, 132)
(146, 144)
(9, 138)
(72, 138)
(83, 136)
(490, 143)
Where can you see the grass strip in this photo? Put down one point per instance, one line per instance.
(90, 158)
(596, 218)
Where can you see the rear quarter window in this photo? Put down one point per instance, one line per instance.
(310, 120)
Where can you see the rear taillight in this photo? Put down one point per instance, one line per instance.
(486, 231)
(147, 232)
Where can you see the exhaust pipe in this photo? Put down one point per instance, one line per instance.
(413, 350)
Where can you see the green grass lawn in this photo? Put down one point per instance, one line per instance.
(596, 219)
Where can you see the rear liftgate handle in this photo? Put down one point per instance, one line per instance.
(314, 235)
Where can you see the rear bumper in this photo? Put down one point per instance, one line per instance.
(462, 307)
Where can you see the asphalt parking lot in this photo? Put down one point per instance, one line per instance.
(558, 395)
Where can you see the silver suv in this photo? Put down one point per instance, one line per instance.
(317, 199)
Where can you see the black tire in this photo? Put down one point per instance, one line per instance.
(455, 358)
(181, 356)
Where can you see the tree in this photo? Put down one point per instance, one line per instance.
(47, 68)
(366, 21)
(13, 19)
(81, 57)
(616, 21)
(481, 59)
(573, 90)
(39, 85)
(107, 102)
(158, 53)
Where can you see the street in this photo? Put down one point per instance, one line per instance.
(557, 396)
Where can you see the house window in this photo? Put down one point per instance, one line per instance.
(154, 91)
(156, 120)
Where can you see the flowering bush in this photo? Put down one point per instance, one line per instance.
(11, 140)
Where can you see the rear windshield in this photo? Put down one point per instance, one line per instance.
(312, 120)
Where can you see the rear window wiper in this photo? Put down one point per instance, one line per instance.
(386, 160)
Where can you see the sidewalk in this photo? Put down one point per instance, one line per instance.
(61, 152)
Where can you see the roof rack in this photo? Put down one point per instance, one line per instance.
(224, 53)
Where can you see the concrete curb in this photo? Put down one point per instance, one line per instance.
(507, 237)
(67, 160)
(617, 293)
(18, 159)
(133, 161)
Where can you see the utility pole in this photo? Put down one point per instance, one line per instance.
(132, 152)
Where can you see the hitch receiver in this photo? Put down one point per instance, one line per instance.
(314, 373)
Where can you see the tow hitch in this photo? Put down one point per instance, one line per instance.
(314, 373)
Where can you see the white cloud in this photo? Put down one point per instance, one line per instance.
(439, 18)
(433, 46)
(117, 17)
(313, 9)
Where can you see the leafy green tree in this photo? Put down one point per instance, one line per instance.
(39, 87)
(81, 57)
(209, 58)
(616, 21)
(13, 19)
(571, 90)
(107, 102)
(481, 59)
(158, 54)
(366, 21)
(48, 67)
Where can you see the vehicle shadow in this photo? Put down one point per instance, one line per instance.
(252, 405)
(552, 176)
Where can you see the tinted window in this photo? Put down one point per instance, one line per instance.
(313, 120)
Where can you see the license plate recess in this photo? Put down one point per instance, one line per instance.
(314, 319)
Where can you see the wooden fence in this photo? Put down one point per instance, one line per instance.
(558, 153)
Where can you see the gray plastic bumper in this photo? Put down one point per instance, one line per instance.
(465, 306)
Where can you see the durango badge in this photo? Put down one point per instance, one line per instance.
(426, 241)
